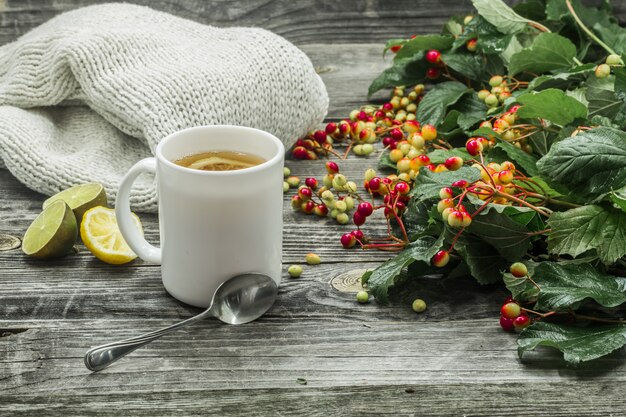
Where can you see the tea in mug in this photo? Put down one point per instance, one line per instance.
(219, 161)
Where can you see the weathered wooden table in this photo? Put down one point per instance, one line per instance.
(357, 359)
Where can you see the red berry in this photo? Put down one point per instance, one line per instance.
(344, 128)
(396, 134)
(514, 108)
(374, 184)
(473, 147)
(519, 270)
(358, 218)
(446, 192)
(321, 210)
(460, 184)
(433, 56)
(388, 141)
(402, 188)
(320, 136)
(348, 240)
(431, 167)
(424, 159)
(331, 128)
(441, 258)
(453, 163)
(471, 45)
(305, 193)
(521, 322)
(395, 48)
(510, 310)
(311, 183)
(505, 176)
(365, 209)
(455, 219)
(357, 234)
(300, 152)
(400, 206)
(432, 73)
(506, 324)
(308, 207)
(387, 107)
(362, 116)
(379, 114)
(332, 167)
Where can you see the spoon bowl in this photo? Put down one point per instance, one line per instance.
(241, 299)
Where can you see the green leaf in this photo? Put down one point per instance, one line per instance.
(468, 65)
(500, 15)
(484, 261)
(424, 42)
(551, 104)
(521, 288)
(393, 42)
(384, 163)
(427, 183)
(527, 162)
(472, 111)
(565, 286)
(600, 94)
(508, 237)
(549, 52)
(434, 104)
(439, 156)
(561, 79)
(383, 277)
(403, 72)
(590, 164)
(531, 9)
(579, 230)
(578, 344)
(618, 197)
(613, 35)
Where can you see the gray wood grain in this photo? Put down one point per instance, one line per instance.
(302, 21)
(357, 359)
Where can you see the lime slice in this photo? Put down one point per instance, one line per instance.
(52, 233)
(81, 198)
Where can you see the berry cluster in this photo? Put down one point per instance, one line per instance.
(364, 126)
(395, 198)
(322, 201)
(604, 70)
(500, 91)
(512, 316)
(516, 134)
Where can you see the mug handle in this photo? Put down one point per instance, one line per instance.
(125, 221)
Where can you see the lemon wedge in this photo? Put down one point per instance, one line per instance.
(103, 238)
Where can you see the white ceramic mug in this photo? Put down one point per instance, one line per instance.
(213, 224)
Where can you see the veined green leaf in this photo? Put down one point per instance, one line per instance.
(427, 183)
(565, 286)
(501, 16)
(578, 344)
(581, 229)
(548, 52)
(383, 277)
(510, 238)
(422, 43)
(434, 104)
(590, 164)
(551, 104)
(483, 260)
(527, 162)
(618, 197)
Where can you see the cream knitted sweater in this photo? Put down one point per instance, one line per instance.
(90, 92)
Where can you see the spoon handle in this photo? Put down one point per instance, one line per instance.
(100, 357)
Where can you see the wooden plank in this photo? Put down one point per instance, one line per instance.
(302, 22)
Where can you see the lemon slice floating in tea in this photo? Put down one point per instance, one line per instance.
(81, 198)
(103, 238)
(52, 233)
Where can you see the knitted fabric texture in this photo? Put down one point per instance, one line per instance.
(90, 92)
